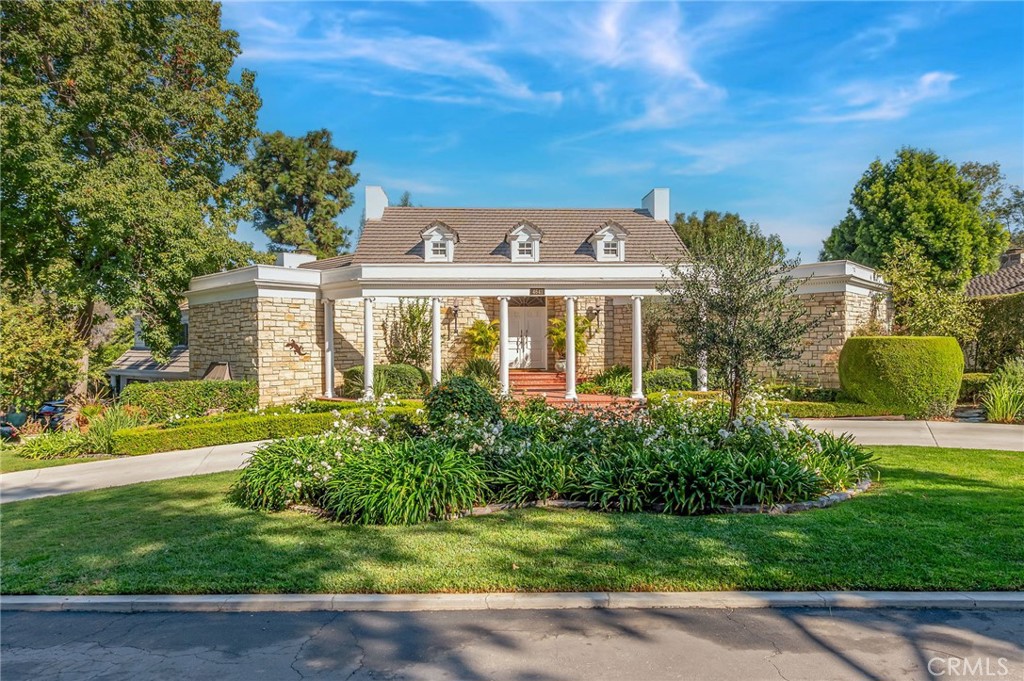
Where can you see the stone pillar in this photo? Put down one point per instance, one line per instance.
(368, 348)
(435, 340)
(328, 348)
(702, 371)
(570, 348)
(503, 344)
(638, 350)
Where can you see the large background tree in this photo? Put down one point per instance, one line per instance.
(927, 201)
(299, 186)
(118, 122)
(701, 231)
(734, 303)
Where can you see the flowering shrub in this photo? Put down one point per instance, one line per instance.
(407, 482)
(463, 396)
(668, 456)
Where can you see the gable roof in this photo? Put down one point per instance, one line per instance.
(395, 238)
(1001, 282)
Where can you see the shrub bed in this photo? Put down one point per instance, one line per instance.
(164, 399)
(916, 376)
(401, 380)
(1003, 396)
(795, 409)
(669, 456)
(1000, 334)
(618, 381)
(156, 438)
(971, 387)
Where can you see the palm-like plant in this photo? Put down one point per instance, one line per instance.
(556, 333)
(481, 338)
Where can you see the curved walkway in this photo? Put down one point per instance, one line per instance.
(79, 477)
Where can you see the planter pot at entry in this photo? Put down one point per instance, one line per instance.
(560, 365)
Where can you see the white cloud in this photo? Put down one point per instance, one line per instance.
(870, 101)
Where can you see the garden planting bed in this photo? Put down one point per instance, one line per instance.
(667, 456)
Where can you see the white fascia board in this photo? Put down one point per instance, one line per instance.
(492, 280)
(263, 281)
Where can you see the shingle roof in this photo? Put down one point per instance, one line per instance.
(395, 238)
(142, 360)
(328, 263)
(1003, 281)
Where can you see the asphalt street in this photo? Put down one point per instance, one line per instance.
(750, 644)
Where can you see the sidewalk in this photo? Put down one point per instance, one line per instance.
(79, 477)
(926, 433)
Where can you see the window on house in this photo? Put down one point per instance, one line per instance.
(439, 249)
(610, 249)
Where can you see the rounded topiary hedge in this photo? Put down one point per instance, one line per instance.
(918, 376)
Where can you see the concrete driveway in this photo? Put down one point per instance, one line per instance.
(79, 477)
(753, 645)
(927, 433)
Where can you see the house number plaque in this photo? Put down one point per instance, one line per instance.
(536, 291)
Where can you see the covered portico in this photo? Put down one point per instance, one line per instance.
(567, 284)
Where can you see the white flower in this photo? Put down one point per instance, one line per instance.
(298, 484)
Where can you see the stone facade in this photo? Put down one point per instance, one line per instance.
(842, 315)
(275, 342)
(278, 342)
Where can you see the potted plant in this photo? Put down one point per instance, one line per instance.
(556, 333)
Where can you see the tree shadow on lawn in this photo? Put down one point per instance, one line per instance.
(184, 536)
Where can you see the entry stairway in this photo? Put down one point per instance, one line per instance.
(527, 383)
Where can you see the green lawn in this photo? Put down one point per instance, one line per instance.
(939, 519)
(10, 461)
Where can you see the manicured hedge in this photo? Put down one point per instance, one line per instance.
(795, 409)
(1001, 333)
(918, 376)
(155, 438)
(164, 399)
(669, 378)
(402, 380)
(971, 387)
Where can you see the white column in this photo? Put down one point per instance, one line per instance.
(638, 350)
(503, 343)
(435, 340)
(328, 348)
(702, 371)
(368, 348)
(570, 348)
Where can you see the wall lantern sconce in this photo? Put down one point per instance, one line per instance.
(594, 315)
(455, 316)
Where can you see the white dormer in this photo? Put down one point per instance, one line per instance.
(439, 242)
(609, 242)
(524, 242)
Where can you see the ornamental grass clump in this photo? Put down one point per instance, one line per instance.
(1003, 396)
(404, 483)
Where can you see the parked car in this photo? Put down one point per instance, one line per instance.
(52, 414)
(10, 422)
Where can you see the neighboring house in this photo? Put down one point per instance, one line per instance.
(295, 326)
(1009, 278)
(138, 366)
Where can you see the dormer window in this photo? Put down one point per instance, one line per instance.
(439, 242)
(609, 242)
(524, 242)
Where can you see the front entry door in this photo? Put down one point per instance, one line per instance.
(527, 340)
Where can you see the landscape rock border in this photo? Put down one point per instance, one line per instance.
(776, 509)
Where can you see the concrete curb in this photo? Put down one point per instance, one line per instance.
(729, 600)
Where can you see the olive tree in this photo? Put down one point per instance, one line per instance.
(734, 302)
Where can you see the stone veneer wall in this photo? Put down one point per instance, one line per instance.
(224, 332)
(843, 314)
(290, 371)
(253, 335)
(600, 343)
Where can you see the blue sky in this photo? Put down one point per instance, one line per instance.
(770, 110)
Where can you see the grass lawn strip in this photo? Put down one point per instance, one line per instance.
(939, 519)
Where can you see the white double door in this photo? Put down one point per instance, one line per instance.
(527, 337)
